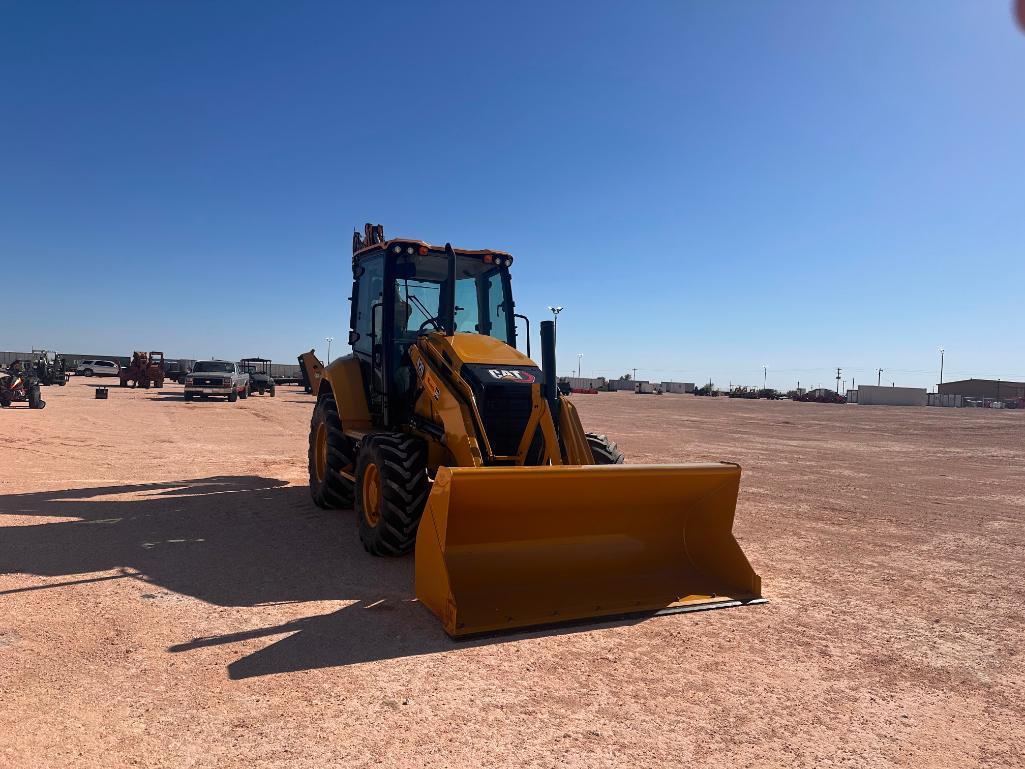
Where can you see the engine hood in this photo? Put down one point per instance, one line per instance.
(477, 348)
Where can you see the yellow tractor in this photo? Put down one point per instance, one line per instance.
(450, 441)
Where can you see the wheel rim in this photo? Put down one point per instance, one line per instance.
(320, 444)
(372, 494)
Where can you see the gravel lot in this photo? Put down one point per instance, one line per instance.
(169, 596)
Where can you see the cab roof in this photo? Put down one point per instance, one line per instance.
(373, 248)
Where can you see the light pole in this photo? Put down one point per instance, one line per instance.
(765, 375)
(579, 356)
(329, 340)
(555, 314)
(879, 377)
(941, 364)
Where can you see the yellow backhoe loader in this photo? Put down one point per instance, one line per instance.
(447, 439)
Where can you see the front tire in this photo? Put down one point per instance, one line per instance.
(391, 490)
(87, 372)
(330, 453)
(605, 451)
(233, 395)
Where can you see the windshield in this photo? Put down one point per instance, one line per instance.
(213, 366)
(481, 296)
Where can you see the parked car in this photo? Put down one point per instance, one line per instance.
(98, 368)
(216, 378)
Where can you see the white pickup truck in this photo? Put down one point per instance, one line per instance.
(215, 378)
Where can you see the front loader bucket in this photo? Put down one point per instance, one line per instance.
(508, 547)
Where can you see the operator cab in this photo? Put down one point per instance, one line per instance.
(401, 289)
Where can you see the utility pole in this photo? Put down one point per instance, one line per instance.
(635, 375)
(879, 377)
(941, 365)
(838, 379)
(579, 356)
(765, 375)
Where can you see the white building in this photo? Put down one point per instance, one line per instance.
(585, 383)
(872, 395)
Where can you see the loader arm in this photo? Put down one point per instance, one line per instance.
(312, 370)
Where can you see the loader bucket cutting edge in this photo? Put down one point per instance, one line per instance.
(511, 547)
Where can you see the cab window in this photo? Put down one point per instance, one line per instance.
(370, 291)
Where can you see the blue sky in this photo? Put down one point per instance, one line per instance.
(706, 187)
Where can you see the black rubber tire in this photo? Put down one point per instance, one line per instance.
(245, 393)
(271, 391)
(335, 491)
(605, 451)
(187, 396)
(87, 372)
(402, 463)
(35, 400)
(233, 395)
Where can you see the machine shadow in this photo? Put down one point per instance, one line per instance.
(236, 541)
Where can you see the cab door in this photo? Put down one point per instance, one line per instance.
(368, 335)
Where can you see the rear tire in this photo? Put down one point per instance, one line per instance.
(605, 451)
(391, 490)
(35, 400)
(271, 391)
(330, 452)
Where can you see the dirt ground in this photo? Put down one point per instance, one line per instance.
(169, 596)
